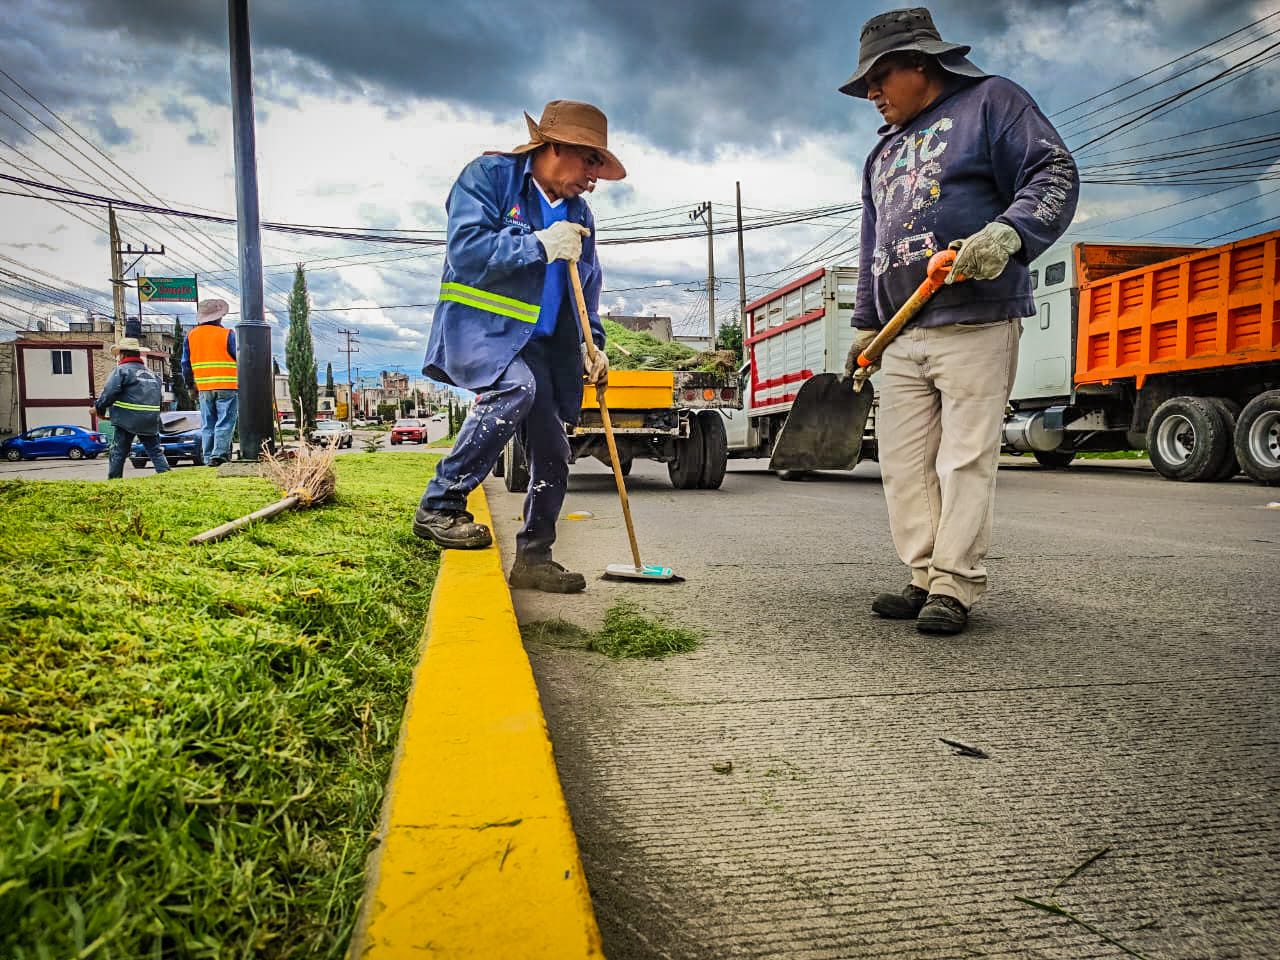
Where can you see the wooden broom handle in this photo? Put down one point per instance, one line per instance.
(604, 413)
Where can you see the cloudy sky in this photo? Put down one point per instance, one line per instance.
(367, 111)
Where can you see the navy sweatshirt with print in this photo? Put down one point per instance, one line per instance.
(982, 151)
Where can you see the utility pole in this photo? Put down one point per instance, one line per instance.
(118, 270)
(703, 210)
(349, 349)
(742, 268)
(253, 333)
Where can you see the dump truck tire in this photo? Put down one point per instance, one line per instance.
(1230, 411)
(1257, 438)
(686, 469)
(1055, 459)
(515, 473)
(715, 450)
(1187, 439)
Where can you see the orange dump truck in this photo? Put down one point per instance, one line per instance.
(1175, 349)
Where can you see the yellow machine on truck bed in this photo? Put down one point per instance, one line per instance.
(664, 415)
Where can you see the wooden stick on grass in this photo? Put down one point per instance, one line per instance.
(306, 480)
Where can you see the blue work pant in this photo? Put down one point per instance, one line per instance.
(218, 409)
(522, 399)
(122, 443)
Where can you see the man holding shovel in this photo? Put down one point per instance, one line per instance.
(506, 328)
(965, 157)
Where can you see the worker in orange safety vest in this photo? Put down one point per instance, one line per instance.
(209, 366)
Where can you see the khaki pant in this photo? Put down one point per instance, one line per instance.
(942, 403)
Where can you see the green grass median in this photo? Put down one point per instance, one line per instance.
(194, 740)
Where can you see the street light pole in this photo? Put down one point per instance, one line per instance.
(253, 333)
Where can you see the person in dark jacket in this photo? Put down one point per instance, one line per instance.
(964, 159)
(131, 400)
(507, 328)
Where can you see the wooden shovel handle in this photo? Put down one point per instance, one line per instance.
(939, 266)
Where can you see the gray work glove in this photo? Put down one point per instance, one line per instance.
(859, 375)
(597, 373)
(562, 240)
(983, 255)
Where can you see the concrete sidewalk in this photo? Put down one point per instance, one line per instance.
(1122, 676)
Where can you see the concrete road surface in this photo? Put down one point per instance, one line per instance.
(1123, 677)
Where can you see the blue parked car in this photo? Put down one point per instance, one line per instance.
(58, 440)
(179, 438)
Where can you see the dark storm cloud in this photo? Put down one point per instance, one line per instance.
(689, 76)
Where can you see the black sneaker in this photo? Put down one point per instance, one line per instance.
(216, 461)
(545, 575)
(942, 614)
(452, 529)
(901, 606)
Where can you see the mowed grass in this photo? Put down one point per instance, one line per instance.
(626, 634)
(194, 741)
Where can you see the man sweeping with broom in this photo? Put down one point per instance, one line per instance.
(506, 328)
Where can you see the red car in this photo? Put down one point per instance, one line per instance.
(409, 431)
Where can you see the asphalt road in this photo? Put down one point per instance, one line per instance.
(1122, 676)
(60, 468)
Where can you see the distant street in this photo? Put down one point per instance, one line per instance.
(60, 468)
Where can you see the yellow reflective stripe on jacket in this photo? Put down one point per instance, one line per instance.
(492, 302)
(145, 407)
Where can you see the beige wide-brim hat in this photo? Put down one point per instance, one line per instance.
(210, 310)
(577, 124)
(126, 343)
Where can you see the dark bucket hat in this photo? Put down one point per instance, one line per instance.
(902, 30)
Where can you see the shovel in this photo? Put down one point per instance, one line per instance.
(829, 414)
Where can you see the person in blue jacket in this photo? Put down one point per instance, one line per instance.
(131, 399)
(963, 159)
(507, 328)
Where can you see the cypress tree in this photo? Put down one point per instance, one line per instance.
(182, 399)
(300, 356)
(328, 380)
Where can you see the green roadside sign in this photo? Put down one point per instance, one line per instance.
(167, 290)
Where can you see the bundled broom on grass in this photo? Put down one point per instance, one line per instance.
(306, 479)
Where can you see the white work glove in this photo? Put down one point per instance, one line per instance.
(861, 340)
(597, 373)
(983, 255)
(562, 240)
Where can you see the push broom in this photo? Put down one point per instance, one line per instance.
(616, 571)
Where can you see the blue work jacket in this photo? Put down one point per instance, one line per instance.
(491, 290)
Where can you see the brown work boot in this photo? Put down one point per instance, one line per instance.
(901, 606)
(942, 614)
(452, 529)
(545, 575)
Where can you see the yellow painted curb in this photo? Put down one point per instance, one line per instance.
(477, 856)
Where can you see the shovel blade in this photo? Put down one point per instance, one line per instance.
(824, 429)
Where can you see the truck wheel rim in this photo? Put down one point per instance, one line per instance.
(1264, 439)
(1175, 440)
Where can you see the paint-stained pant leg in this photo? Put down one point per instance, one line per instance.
(492, 420)
(547, 449)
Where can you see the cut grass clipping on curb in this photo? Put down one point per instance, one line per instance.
(626, 634)
(194, 741)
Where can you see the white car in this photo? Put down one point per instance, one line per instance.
(333, 432)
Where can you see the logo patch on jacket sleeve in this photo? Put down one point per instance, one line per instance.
(512, 219)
